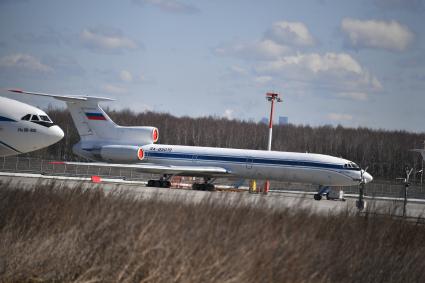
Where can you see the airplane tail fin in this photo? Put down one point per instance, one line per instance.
(91, 121)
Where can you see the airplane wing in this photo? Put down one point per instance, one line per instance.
(69, 98)
(195, 171)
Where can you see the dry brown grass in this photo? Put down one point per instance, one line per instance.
(75, 235)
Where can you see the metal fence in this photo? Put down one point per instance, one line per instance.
(47, 167)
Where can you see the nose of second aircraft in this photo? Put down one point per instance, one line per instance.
(55, 134)
(367, 177)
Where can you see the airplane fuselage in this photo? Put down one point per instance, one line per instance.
(22, 128)
(259, 164)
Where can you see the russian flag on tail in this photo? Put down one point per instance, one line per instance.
(95, 116)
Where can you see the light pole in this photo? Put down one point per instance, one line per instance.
(406, 187)
(272, 97)
(406, 183)
(422, 173)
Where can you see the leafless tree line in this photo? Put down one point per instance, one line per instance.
(385, 152)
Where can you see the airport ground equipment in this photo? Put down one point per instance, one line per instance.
(253, 187)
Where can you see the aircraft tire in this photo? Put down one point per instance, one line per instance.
(165, 184)
(317, 197)
(209, 187)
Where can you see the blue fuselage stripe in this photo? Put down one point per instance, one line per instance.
(247, 160)
(5, 119)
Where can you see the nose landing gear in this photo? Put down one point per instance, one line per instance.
(329, 194)
(323, 191)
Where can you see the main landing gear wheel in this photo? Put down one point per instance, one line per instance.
(159, 183)
(317, 197)
(323, 191)
(203, 187)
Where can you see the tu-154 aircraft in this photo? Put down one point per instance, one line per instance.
(25, 128)
(110, 145)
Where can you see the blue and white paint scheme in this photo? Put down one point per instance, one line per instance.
(25, 128)
(260, 164)
(134, 147)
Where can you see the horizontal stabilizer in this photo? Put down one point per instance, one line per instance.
(160, 169)
(68, 98)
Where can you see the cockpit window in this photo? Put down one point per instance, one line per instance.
(351, 165)
(26, 117)
(35, 118)
(45, 118)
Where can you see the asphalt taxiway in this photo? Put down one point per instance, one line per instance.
(275, 200)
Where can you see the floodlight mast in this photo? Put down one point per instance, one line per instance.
(272, 97)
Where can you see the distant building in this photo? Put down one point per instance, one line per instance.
(283, 120)
(264, 120)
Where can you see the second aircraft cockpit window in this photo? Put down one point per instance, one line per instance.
(43, 120)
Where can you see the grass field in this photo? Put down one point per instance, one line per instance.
(72, 235)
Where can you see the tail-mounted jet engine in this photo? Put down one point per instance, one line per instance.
(122, 153)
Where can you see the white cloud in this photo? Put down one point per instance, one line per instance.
(263, 79)
(290, 33)
(317, 63)
(106, 39)
(339, 117)
(126, 76)
(172, 6)
(113, 89)
(228, 114)
(24, 61)
(337, 70)
(258, 50)
(389, 35)
(361, 96)
(238, 70)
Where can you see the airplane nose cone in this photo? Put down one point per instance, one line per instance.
(56, 133)
(367, 177)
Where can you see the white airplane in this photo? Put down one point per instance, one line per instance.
(134, 147)
(25, 128)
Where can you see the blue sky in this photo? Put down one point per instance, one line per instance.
(354, 63)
